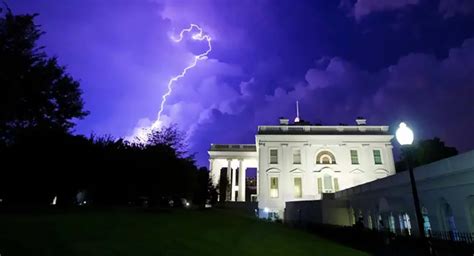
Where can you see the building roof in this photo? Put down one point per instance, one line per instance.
(322, 130)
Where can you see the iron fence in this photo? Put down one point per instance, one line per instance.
(452, 236)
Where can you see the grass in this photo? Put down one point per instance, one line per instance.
(213, 232)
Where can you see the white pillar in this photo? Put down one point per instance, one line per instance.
(257, 176)
(391, 162)
(229, 173)
(242, 184)
(234, 181)
(213, 173)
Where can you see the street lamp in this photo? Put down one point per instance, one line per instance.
(404, 134)
(405, 137)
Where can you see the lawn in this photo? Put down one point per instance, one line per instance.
(212, 232)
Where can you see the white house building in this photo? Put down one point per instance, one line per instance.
(301, 161)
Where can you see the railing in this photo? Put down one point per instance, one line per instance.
(322, 129)
(385, 242)
(233, 147)
(453, 236)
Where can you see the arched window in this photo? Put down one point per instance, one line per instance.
(369, 221)
(391, 223)
(325, 157)
(380, 225)
(405, 223)
(426, 221)
(351, 216)
(447, 217)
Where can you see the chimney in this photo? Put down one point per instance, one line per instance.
(284, 121)
(361, 121)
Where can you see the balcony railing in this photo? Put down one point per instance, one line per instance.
(313, 129)
(234, 147)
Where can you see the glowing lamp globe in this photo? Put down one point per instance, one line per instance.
(404, 134)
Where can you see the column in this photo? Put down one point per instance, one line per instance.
(234, 181)
(390, 165)
(213, 173)
(259, 166)
(257, 189)
(229, 173)
(242, 184)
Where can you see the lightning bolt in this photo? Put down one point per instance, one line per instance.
(198, 35)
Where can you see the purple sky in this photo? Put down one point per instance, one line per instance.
(388, 61)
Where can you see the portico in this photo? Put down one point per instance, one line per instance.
(235, 158)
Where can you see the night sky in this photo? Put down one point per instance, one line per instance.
(388, 61)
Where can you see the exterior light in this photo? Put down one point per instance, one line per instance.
(266, 210)
(405, 137)
(404, 134)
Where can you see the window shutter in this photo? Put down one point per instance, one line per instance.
(320, 185)
(336, 184)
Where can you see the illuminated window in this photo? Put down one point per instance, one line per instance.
(448, 224)
(336, 185)
(407, 223)
(274, 156)
(297, 156)
(391, 223)
(298, 187)
(327, 184)
(354, 157)
(369, 222)
(325, 157)
(426, 221)
(274, 187)
(320, 186)
(377, 157)
(351, 216)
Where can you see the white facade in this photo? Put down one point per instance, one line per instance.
(302, 161)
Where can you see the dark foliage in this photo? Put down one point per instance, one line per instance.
(424, 152)
(36, 90)
(223, 187)
(44, 163)
(205, 192)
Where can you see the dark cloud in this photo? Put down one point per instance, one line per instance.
(365, 7)
(450, 8)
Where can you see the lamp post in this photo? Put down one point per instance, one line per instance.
(405, 137)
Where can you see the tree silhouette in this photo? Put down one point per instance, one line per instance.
(425, 152)
(223, 186)
(36, 90)
(169, 136)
